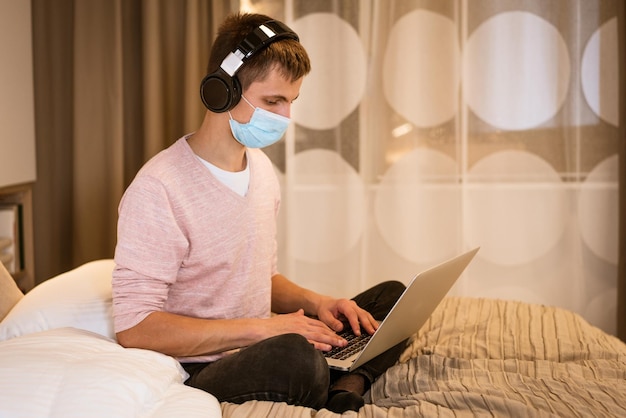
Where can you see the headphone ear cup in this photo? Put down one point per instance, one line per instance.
(220, 92)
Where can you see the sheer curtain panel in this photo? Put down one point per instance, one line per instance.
(428, 127)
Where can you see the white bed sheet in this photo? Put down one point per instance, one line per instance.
(67, 372)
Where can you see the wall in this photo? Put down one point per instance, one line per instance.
(17, 126)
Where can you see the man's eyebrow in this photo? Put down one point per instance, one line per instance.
(280, 97)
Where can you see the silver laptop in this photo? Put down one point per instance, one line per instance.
(408, 315)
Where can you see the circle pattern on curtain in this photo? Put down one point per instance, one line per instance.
(422, 132)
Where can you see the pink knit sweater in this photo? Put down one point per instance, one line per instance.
(188, 244)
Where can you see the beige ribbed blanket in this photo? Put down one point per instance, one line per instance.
(491, 358)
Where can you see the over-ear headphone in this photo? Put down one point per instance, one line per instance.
(221, 90)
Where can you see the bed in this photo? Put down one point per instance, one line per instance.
(474, 357)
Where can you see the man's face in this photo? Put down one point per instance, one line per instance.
(274, 94)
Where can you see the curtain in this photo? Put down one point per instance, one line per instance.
(116, 81)
(427, 128)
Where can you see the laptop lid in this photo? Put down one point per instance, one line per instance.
(411, 311)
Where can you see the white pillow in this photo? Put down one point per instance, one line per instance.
(80, 298)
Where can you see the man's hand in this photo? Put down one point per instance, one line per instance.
(315, 331)
(333, 311)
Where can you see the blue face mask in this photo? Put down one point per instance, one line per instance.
(264, 128)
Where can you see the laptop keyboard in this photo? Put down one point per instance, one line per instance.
(355, 344)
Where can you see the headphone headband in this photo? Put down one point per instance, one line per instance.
(265, 34)
(221, 90)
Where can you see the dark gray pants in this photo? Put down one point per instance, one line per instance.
(287, 368)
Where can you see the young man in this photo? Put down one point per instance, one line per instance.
(196, 274)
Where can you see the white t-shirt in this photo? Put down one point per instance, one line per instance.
(236, 181)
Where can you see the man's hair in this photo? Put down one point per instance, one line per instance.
(287, 55)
